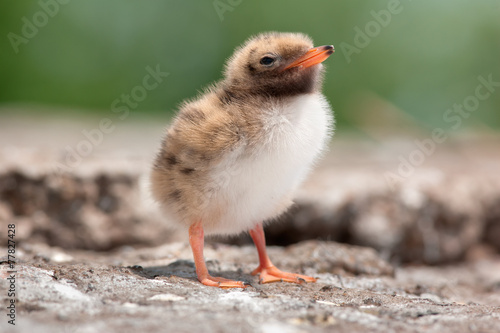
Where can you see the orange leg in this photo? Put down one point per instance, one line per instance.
(196, 239)
(266, 270)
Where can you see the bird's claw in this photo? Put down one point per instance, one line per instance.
(223, 283)
(272, 274)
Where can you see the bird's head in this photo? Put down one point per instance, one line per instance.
(277, 64)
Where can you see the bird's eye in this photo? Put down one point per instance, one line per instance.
(266, 61)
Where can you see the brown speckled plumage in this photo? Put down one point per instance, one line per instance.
(223, 118)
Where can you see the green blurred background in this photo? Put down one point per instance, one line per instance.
(90, 52)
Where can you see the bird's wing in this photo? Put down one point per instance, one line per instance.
(199, 138)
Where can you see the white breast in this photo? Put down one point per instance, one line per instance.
(258, 187)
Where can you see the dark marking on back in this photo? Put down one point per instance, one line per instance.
(205, 157)
(171, 159)
(176, 195)
(187, 171)
(227, 96)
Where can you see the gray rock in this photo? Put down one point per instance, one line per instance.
(155, 290)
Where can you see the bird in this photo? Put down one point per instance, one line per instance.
(232, 157)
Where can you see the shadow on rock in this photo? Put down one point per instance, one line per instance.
(186, 269)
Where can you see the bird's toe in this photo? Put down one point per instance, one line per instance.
(220, 282)
(272, 274)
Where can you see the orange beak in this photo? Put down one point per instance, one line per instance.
(313, 57)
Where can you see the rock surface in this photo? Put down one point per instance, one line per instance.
(67, 208)
(155, 290)
(442, 211)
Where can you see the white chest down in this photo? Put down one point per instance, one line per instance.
(260, 187)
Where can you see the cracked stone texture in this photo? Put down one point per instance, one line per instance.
(155, 290)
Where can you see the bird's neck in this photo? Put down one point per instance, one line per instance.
(229, 92)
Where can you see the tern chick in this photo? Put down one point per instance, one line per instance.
(232, 157)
